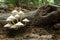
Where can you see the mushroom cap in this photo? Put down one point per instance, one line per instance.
(11, 18)
(20, 24)
(21, 12)
(14, 11)
(17, 25)
(14, 26)
(17, 16)
(26, 20)
(8, 25)
(8, 19)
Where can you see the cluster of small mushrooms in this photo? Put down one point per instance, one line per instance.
(16, 15)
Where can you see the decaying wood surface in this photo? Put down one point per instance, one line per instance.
(47, 17)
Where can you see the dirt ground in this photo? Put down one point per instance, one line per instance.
(35, 31)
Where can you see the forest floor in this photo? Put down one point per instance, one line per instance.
(33, 33)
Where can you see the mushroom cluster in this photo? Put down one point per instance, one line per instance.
(16, 16)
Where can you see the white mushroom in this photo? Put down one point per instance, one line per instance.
(17, 25)
(20, 24)
(8, 25)
(26, 20)
(21, 13)
(14, 27)
(11, 19)
(17, 17)
(14, 12)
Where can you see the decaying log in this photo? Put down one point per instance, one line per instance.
(3, 18)
(46, 15)
(48, 9)
(42, 17)
(51, 18)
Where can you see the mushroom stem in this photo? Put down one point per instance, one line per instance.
(25, 23)
(17, 16)
(13, 22)
(17, 20)
(20, 17)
